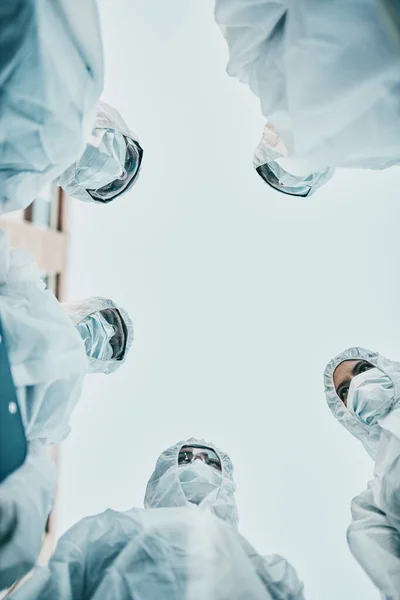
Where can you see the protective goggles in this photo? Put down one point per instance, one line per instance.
(189, 454)
(283, 182)
(133, 160)
(118, 341)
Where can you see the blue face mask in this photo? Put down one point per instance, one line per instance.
(96, 334)
(119, 185)
(371, 395)
(103, 163)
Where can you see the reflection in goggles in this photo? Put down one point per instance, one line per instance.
(188, 454)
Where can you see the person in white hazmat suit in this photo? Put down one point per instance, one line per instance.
(51, 77)
(48, 363)
(328, 79)
(110, 164)
(363, 392)
(184, 544)
(46, 343)
(27, 496)
(106, 330)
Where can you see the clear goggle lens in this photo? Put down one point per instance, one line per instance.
(188, 454)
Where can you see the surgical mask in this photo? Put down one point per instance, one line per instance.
(295, 177)
(125, 180)
(371, 395)
(198, 480)
(103, 160)
(96, 334)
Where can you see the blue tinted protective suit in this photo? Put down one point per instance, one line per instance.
(48, 363)
(51, 76)
(173, 549)
(326, 73)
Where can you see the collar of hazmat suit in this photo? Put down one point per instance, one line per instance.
(326, 74)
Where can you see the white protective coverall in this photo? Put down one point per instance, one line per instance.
(374, 533)
(78, 313)
(26, 499)
(51, 76)
(173, 549)
(48, 362)
(110, 164)
(327, 75)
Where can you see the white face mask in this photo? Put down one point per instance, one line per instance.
(102, 161)
(296, 166)
(96, 333)
(371, 395)
(198, 480)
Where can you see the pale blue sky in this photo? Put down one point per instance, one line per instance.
(239, 297)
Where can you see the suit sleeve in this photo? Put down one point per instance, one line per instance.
(79, 562)
(254, 32)
(26, 499)
(375, 543)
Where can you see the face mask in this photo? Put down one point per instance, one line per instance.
(103, 160)
(296, 166)
(371, 395)
(123, 182)
(289, 176)
(96, 334)
(198, 480)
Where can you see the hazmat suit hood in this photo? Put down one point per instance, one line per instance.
(369, 435)
(164, 488)
(78, 311)
(105, 159)
(289, 176)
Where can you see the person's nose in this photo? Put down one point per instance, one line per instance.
(200, 457)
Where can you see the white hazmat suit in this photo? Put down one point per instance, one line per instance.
(48, 362)
(51, 76)
(327, 75)
(372, 415)
(173, 549)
